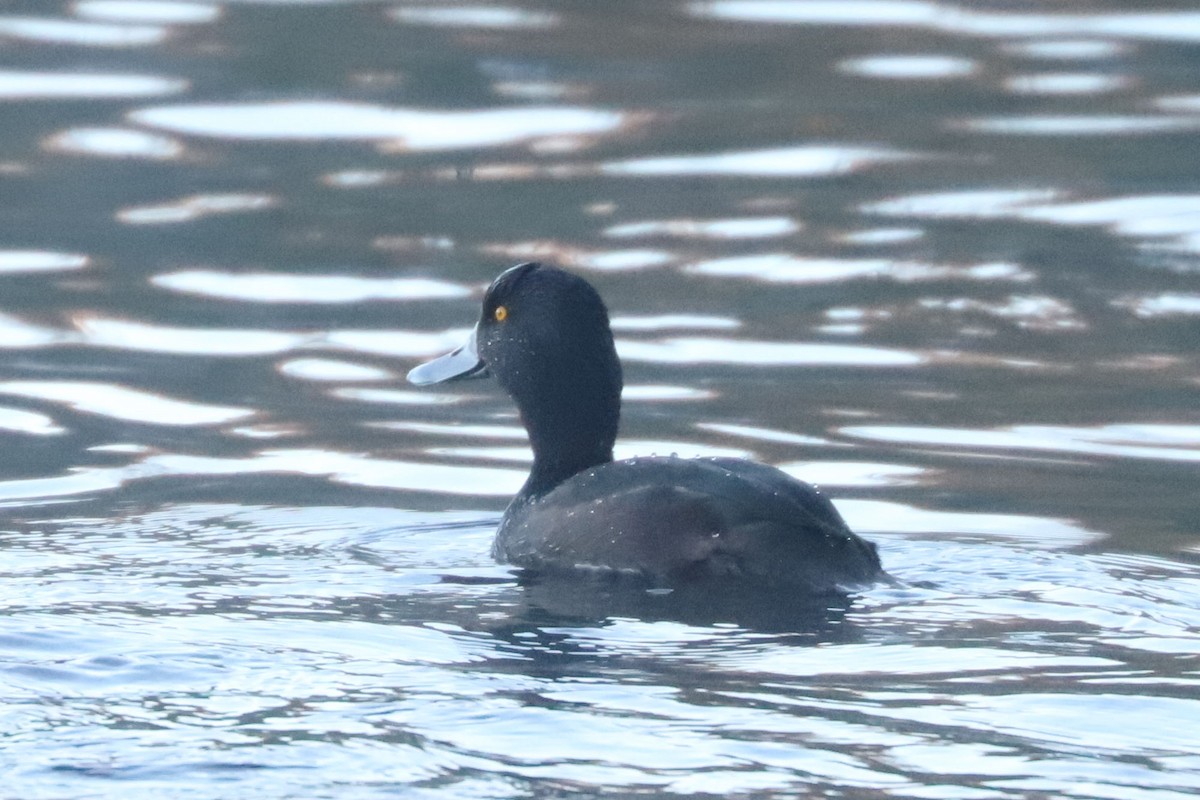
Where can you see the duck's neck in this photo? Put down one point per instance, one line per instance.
(572, 427)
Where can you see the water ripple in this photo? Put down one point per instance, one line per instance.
(15, 261)
(415, 129)
(120, 402)
(719, 229)
(27, 85)
(95, 34)
(1161, 442)
(144, 337)
(787, 268)
(278, 287)
(702, 350)
(792, 162)
(1181, 25)
(115, 143)
(468, 16)
(155, 11)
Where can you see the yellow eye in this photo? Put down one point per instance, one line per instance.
(501, 313)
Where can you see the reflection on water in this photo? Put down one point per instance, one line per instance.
(20, 85)
(795, 162)
(1158, 221)
(1168, 442)
(414, 129)
(285, 288)
(169, 12)
(784, 268)
(746, 228)
(67, 32)
(910, 67)
(31, 422)
(1166, 304)
(39, 261)
(328, 369)
(1049, 125)
(479, 16)
(115, 143)
(700, 350)
(123, 335)
(187, 209)
(939, 259)
(120, 402)
(1066, 83)
(948, 18)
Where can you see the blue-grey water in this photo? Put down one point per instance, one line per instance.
(942, 259)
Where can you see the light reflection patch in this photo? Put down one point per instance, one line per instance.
(1077, 125)
(1165, 25)
(360, 470)
(880, 13)
(276, 287)
(396, 397)
(881, 516)
(655, 393)
(21, 421)
(1067, 49)
(580, 258)
(1167, 304)
(189, 209)
(702, 350)
(343, 468)
(917, 66)
(167, 12)
(1066, 83)
(74, 32)
(18, 85)
(794, 162)
(1167, 221)
(19, 261)
(717, 229)
(968, 204)
(516, 455)
(16, 334)
(1032, 312)
(1151, 441)
(874, 237)
(326, 369)
(475, 16)
(142, 337)
(467, 431)
(115, 143)
(663, 322)
(622, 260)
(788, 268)
(120, 402)
(414, 129)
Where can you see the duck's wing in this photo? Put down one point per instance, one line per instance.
(806, 499)
(672, 519)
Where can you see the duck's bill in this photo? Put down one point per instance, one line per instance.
(455, 365)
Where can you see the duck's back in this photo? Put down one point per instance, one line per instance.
(674, 519)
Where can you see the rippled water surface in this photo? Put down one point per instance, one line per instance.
(943, 260)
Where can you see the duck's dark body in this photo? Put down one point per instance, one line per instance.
(544, 334)
(673, 519)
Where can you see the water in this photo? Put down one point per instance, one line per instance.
(943, 260)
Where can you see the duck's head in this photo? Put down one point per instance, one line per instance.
(543, 333)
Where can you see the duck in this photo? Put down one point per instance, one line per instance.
(544, 335)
